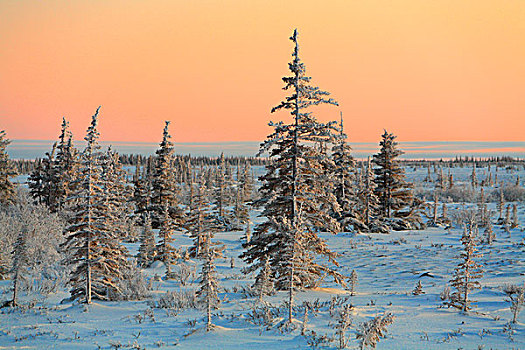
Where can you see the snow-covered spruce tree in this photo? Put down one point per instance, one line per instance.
(92, 249)
(41, 181)
(344, 181)
(515, 223)
(397, 204)
(246, 183)
(468, 270)
(141, 191)
(369, 333)
(165, 251)
(221, 192)
(64, 167)
(35, 181)
(201, 222)
(118, 194)
(353, 282)
(165, 190)
(343, 322)
(435, 206)
(20, 264)
(263, 282)
(489, 232)
(209, 286)
(147, 249)
(239, 213)
(474, 177)
(368, 204)
(501, 204)
(51, 181)
(418, 289)
(482, 208)
(7, 171)
(294, 186)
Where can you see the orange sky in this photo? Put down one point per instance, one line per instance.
(424, 69)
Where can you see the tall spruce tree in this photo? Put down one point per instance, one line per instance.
(41, 181)
(65, 166)
(165, 191)
(209, 286)
(397, 204)
(92, 249)
(7, 171)
(293, 192)
(345, 189)
(51, 181)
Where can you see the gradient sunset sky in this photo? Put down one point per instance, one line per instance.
(426, 70)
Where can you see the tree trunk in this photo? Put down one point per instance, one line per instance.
(208, 313)
(290, 296)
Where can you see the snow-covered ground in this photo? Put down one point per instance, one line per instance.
(388, 267)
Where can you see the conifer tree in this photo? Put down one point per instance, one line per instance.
(35, 181)
(7, 171)
(474, 177)
(444, 218)
(396, 199)
(248, 233)
(368, 204)
(482, 208)
(344, 321)
(369, 333)
(294, 191)
(141, 190)
(165, 251)
(64, 167)
(51, 182)
(247, 183)
(501, 204)
(440, 183)
(489, 232)
(20, 264)
(239, 213)
(450, 180)
(435, 208)
(263, 282)
(165, 190)
(221, 190)
(353, 282)
(507, 222)
(515, 222)
(92, 249)
(201, 222)
(209, 286)
(468, 270)
(147, 250)
(295, 182)
(41, 181)
(345, 190)
(418, 289)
